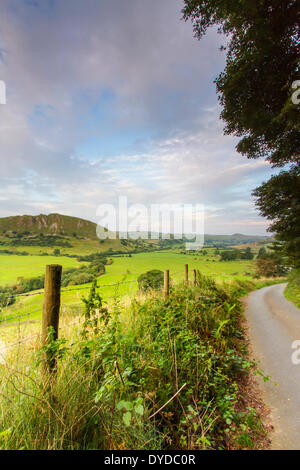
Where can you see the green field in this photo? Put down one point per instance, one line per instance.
(12, 267)
(174, 261)
(122, 269)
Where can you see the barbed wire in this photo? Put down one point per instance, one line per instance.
(9, 318)
(100, 286)
(20, 342)
(6, 319)
(78, 304)
(8, 346)
(77, 322)
(12, 296)
(2, 320)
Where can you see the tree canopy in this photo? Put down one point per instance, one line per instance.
(255, 90)
(279, 201)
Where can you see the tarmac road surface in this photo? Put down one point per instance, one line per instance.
(274, 325)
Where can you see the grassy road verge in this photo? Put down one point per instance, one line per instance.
(153, 374)
(292, 291)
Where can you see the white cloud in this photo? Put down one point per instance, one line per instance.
(58, 60)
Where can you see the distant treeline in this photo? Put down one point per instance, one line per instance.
(41, 240)
(18, 253)
(232, 255)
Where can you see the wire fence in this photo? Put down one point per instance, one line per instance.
(27, 314)
(40, 292)
(7, 319)
(36, 335)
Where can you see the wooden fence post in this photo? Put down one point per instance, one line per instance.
(186, 274)
(195, 277)
(51, 307)
(167, 284)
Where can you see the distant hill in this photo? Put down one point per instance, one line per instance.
(52, 224)
(42, 234)
(75, 235)
(235, 239)
(221, 240)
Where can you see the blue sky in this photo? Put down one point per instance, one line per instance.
(109, 98)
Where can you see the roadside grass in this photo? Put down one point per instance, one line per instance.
(118, 369)
(292, 291)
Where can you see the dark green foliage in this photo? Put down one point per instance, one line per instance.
(232, 255)
(27, 285)
(95, 314)
(41, 240)
(292, 291)
(262, 63)
(6, 297)
(255, 91)
(151, 280)
(262, 252)
(113, 376)
(52, 351)
(97, 267)
(18, 253)
(247, 254)
(7, 294)
(83, 275)
(79, 278)
(93, 257)
(279, 201)
(270, 264)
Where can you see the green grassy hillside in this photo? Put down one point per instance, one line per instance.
(41, 234)
(38, 235)
(52, 224)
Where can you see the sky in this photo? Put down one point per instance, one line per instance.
(110, 98)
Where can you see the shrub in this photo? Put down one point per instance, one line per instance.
(270, 265)
(151, 280)
(81, 278)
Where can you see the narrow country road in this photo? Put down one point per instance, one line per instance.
(274, 324)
